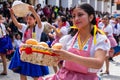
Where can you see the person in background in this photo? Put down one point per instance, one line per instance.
(5, 45)
(108, 29)
(39, 10)
(31, 30)
(116, 29)
(85, 52)
(6, 12)
(60, 30)
(17, 41)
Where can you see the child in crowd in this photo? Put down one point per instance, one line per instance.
(31, 30)
(5, 45)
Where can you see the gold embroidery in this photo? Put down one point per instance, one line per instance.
(82, 43)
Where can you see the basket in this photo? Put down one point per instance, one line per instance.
(38, 55)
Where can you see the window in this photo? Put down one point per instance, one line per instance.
(118, 6)
(46, 2)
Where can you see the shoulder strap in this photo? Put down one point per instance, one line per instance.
(27, 29)
(34, 28)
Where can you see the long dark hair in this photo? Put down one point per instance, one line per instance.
(31, 15)
(89, 10)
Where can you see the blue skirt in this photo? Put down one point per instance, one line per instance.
(26, 68)
(5, 44)
(116, 49)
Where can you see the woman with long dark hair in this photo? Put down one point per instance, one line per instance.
(85, 52)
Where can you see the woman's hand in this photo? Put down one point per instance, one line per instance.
(14, 19)
(63, 54)
(31, 8)
(51, 26)
(37, 17)
(11, 11)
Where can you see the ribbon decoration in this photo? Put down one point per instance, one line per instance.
(94, 38)
(95, 30)
(74, 27)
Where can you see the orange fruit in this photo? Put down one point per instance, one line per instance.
(31, 41)
(57, 46)
(43, 44)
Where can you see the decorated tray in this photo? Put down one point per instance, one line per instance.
(39, 53)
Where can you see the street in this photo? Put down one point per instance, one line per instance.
(114, 72)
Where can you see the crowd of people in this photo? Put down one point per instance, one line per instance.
(88, 38)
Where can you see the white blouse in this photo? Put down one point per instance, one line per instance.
(2, 30)
(109, 30)
(38, 31)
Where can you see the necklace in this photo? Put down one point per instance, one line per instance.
(82, 43)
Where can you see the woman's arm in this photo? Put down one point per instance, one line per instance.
(92, 62)
(37, 17)
(59, 34)
(19, 26)
(95, 62)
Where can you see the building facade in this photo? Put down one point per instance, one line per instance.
(116, 6)
(99, 5)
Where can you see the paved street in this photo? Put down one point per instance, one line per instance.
(114, 72)
(13, 76)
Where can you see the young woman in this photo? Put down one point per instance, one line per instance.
(31, 30)
(108, 29)
(5, 45)
(60, 30)
(85, 52)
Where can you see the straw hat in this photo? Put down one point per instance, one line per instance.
(47, 28)
(20, 9)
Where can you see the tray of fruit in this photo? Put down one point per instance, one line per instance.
(39, 53)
